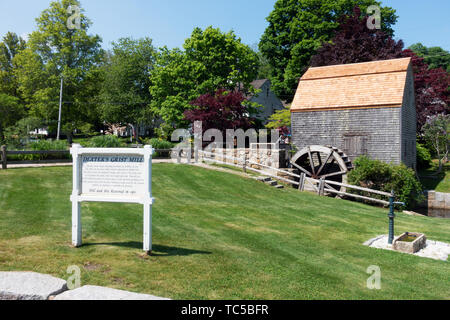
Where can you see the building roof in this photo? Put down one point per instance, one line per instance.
(257, 84)
(349, 86)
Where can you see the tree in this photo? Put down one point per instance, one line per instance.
(210, 60)
(435, 57)
(436, 132)
(221, 110)
(354, 42)
(53, 51)
(297, 28)
(10, 112)
(432, 89)
(125, 91)
(9, 48)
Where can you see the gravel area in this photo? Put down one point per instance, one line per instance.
(434, 249)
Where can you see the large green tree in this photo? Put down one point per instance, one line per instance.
(297, 28)
(9, 48)
(211, 59)
(57, 49)
(125, 91)
(435, 57)
(10, 111)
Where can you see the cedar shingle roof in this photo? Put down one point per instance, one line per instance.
(356, 85)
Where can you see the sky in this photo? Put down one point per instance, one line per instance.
(170, 22)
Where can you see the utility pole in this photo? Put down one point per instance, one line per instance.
(60, 106)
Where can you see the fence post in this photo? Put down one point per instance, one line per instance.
(4, 164)
(301, 183)
(196, 154)
(244, 165)
(321, 187)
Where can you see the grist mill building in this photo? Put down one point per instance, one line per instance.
(359, 109)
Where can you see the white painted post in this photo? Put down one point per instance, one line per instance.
(301, 183)
(148, 201)
(76, 205)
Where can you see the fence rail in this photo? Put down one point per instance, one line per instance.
(4, 152)
(320, 186)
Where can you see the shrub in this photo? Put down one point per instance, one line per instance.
(106, 141)
(44, 145)
(423, 157)
(159, 144)
(378, 175)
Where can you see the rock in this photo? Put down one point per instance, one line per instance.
(103, 293)
(29, 286)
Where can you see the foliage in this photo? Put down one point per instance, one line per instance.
(354, 42)
(435, 57)
(221, 110)
(45, 145)
(432, 88)
(423, 157)
(17, 136)
(437, 132)
(9, 48)
(159, 143)
(54, 51)
(211, 59)
(10, 112)
(378, 175)
(105, 141)
(297, 28)
(125, 90)
(281, 118)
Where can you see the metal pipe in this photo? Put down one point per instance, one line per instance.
(391, 217)
(60, 106)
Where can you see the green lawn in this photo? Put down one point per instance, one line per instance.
(440, 182)
(216, 236)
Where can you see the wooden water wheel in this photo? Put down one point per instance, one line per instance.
(319, 162)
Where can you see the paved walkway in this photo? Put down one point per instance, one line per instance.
(66, 164)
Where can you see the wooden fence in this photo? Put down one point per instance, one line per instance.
(321, 186)
(4, 152)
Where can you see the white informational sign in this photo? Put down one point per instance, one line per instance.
(112, 175)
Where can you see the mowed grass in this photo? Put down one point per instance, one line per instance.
(215, 236)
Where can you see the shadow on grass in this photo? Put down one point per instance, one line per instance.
(158, 250)
(430, 179)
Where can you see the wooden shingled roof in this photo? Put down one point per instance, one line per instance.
(373, 84)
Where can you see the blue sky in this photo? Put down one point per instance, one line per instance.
(169, 22)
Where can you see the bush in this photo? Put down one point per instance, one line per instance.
(378, 175)
(159, 144)
(423, 157)
(43, 145)
(106, 141)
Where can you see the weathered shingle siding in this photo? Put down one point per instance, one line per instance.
(408, 123)
(380, 126)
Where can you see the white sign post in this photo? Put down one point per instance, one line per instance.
(112, 175)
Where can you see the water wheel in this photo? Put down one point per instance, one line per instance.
(326, 162)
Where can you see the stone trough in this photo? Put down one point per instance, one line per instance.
(410, 242)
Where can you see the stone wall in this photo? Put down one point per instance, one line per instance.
(269, 157)
(438, 200)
